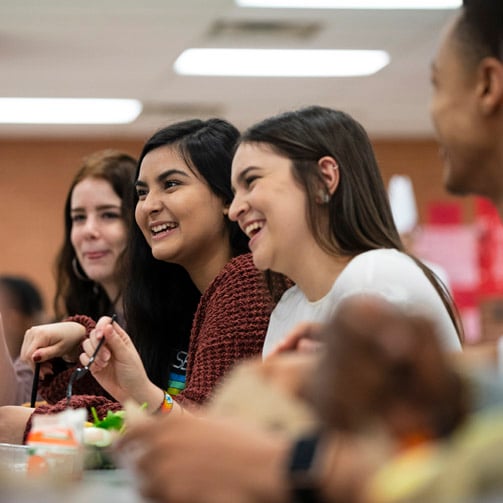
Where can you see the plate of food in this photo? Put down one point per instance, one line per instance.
(98, 439)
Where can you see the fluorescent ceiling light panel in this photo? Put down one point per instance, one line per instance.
(68, 111)
(351, 4)
(280, 62)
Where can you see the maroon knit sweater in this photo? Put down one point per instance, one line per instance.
(230, 324)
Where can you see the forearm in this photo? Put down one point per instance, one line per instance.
(339, 466)
(152, 396)
(268, 465)
(8, 376)
(157, 402)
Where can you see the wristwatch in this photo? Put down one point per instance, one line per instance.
(303, 470)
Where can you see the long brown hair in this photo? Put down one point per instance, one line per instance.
(359, 213)
(75, 294)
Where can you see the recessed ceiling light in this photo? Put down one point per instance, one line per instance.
(280, 62)
(68, 111)
(352, 4)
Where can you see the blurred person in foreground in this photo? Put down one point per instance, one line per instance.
(21, 307)
(383, 386)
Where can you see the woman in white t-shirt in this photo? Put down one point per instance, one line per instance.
(309, 195)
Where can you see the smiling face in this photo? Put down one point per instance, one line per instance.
(463, 130)
(180, 217)
(270, 207)
(98, 232)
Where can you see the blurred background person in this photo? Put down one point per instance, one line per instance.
(88, 266)
(88, 275)
(21, 307)
(467, 101)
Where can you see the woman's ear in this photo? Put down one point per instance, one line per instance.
(329, 169)
(490, 85)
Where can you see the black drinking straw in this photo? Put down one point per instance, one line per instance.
(34, 387)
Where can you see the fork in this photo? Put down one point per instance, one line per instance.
(80, 372)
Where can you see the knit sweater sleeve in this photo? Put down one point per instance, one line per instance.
(53, 387)
(230, 324)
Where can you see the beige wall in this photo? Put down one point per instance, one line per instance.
(35, 176)
(420, 160)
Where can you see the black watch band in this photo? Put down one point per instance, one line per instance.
(303, 473)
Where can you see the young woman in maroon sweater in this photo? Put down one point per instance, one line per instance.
(194, 302)
(186, 257)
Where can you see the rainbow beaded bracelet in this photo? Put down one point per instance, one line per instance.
(167, 404)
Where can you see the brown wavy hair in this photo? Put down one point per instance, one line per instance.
(73, 294)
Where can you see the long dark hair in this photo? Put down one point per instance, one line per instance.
(74, 293)
(359, 213)
(160, 298)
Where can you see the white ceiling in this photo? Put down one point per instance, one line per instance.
(126, 49)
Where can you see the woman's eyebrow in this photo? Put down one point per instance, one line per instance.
(240, 178)
(100, 207)
(162, 176)
(171, 172)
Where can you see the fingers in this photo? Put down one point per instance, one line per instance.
(137, 440)
(152, 430)
(118, 343)
(44, 354)
(45, 370)
(42, 349)
(91, 344)
(104, 330)
(103, 322)
(34, 339)
(306, 345)
(151, 467)
(151, 443)
(105, 325)
(299, 339)
(45, 342)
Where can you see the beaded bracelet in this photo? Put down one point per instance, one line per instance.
(167, 404)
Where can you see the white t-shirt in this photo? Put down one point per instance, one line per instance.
(388, 273)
